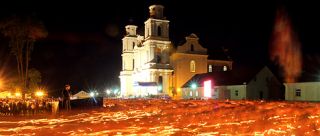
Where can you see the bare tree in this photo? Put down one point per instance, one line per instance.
(22, 32)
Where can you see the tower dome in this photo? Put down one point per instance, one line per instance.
(131, 30)
(156, 11)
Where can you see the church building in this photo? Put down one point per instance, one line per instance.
(152, 65)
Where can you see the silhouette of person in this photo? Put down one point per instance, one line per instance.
(66, 94)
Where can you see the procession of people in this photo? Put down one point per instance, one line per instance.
(32, 106)
(10, 107)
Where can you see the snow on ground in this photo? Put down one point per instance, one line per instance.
(166, 117)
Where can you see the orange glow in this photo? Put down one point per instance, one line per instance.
(285, 49)
(18, 94)
(178, 117)
(39, 93)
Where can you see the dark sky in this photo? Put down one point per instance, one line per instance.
(84, 42)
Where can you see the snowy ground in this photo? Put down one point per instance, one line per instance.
(161, 117)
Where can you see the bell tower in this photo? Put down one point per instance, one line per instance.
(157, 27)
(157, 45)
(129, 42)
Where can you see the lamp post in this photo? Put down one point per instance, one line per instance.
(194, 86)
(39, 93)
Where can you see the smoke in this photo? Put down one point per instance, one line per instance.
(285, 48)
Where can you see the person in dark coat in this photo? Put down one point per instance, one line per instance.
(66, 94)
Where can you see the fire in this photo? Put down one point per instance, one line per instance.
(285, 48)
(179, 117)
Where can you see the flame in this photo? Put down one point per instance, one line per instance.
(285, 49)
(179, 117)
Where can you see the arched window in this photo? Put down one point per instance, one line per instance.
(158, 59)
(192, 47)
(225, 68)
(133, 44)
(192, 66)
(160, 81)
(159, 31)
(210, 68)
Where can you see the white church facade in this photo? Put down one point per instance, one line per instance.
(151, 65)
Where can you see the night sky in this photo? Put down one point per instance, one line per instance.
(83, 47)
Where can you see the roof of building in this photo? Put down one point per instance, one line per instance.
(81, 93)
(237, 76)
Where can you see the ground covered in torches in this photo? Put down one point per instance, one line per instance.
(166, 117)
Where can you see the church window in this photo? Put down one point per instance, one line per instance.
(133, 44)
(237, 93)
(192, 66)
(160, 81)
(190, 93)
(158, 59)
(133, 64)
(192, 47)
(197, 93)
(210, 68)
(225, 68)
(159, 31)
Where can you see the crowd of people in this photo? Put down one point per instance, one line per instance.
(10, 107)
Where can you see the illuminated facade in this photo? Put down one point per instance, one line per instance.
(189, 59)
(146, 68)
(151, 65)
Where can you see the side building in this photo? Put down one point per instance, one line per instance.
(252, 84)
(302, 91)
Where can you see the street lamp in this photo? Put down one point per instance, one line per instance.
(39, 93)
(194, 86)
(18, 94)
(92, 94)
(159, 88)
(108, 92)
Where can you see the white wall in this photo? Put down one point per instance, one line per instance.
(310, 91)
(196, 93)
(228, 92)
(217, 92)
